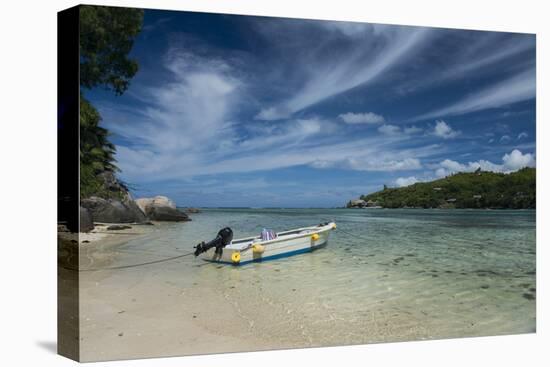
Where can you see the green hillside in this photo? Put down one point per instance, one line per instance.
(463, 190)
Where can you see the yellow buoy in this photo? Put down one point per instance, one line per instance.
(258, 249)
(333, 225)
(236, 257)
(315, 237)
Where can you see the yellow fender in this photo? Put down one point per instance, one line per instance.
(315, 236)
(258, 249)
(236, 257)
(334, 226)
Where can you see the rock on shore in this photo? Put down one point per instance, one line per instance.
(160, 208)
(86, 222)
(113, 210)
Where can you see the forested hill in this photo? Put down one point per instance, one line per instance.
(478, 189)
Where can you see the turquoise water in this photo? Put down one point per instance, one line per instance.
(386, 275)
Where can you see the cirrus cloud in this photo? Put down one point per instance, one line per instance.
(389, 129)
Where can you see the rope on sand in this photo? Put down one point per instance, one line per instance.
(131, 266)
(109, 233)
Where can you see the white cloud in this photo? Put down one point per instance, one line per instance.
(294, 131)
(272, 113)
(367, 163)
(389, 165)
(479, 55)
(518, 88)
(522, 135)
(412, 130)
(441, 172)
(359, 65)
(389, 129)
(505, 139)
(516, 160)
(511, 162)
(186, 113)
(444, 130)
(349, 29)
(406, 181)
(452, 166)
(361, 118)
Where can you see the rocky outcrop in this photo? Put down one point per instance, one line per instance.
(160, 208)
(192, 210)
(159, 201)
(86, 222)
(114, 204)
(359, 203)
(167, 214)
(113, 210)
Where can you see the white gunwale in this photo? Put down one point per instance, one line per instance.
(287, 243)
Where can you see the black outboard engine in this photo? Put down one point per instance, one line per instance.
(224, 238)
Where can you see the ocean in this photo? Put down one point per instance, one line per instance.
(386, 275)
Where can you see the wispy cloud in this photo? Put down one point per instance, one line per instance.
(522, 135)
(410, 130)
(389, 129)
(371, 164)
(394, 130)
(481, 54)
(187, 129)
(504, 139)
(361, 118)
(518, 88)
(378, 49)
(300, 99)
(444, 130)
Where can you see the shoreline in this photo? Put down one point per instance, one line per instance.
(100, 246)
(420, 208)
(116, 304)
(190, 307)
(77, 250)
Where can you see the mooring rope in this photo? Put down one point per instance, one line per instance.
(168, 258)
(131, 266)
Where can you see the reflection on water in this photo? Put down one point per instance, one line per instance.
(386, 275)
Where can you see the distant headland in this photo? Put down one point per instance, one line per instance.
(474, 190)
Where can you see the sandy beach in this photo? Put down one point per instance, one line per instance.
(140, 312)
(352, 292)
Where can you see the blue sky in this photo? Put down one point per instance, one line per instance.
(270, 112)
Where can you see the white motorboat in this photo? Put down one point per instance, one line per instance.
(251, 249)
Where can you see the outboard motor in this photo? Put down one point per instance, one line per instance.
(224, 238)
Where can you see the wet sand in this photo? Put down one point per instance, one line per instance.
(142, 312)
(348, 293)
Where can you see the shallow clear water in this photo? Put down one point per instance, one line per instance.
(386, 275)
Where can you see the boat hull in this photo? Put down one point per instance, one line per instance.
(253, 250)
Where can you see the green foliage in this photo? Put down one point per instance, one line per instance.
(106, 37)
(479, 189)
(96, 152)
